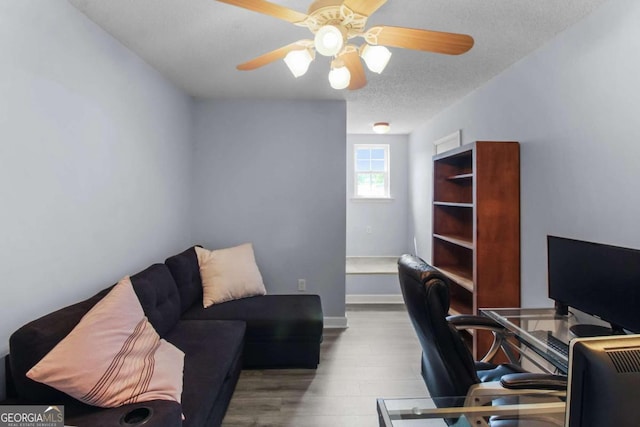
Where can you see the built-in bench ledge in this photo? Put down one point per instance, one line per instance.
(372, 265)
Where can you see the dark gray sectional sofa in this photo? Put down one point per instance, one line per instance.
(271, 331)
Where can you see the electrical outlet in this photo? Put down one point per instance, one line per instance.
(302, 285)
(368, 229)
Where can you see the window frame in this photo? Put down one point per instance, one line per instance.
(387, 170)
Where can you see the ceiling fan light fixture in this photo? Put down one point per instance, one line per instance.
(376, 57)
(339, 77)
(381, 127)
(329, 40)
(298, 61)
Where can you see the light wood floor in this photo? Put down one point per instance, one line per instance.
(377, 356)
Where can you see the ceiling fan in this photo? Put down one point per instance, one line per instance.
(334, 24)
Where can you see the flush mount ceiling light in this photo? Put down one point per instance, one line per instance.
(381, 127)
(334, 23)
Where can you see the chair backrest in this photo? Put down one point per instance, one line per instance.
(448, 367)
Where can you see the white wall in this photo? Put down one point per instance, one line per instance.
(387, 218)
(573, 105)
(273, 173)
(94, 162)
(421, 151)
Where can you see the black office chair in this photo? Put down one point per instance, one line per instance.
(448, 368)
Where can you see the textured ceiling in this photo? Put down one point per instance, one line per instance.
(197, 44)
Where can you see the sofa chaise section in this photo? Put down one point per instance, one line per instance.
(283, 331)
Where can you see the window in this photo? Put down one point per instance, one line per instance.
(371, 171)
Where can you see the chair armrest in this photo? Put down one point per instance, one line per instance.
(534, 381)
(469, 321)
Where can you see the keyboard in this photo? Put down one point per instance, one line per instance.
(552, 342)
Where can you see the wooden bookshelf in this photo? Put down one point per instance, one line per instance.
(476, 227)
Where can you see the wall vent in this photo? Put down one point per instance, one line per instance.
(626, 360)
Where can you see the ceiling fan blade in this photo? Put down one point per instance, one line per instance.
(354, 65)
(274, 55)
(364, 7)
(427, 40)
(268, 8)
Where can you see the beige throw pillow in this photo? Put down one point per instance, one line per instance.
(113, 356)
(229, 274)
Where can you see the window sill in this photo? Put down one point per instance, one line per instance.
(372, 199)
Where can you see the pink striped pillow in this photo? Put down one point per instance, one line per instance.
(113, 356)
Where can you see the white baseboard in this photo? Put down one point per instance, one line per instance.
(374, 299)
(335, 323)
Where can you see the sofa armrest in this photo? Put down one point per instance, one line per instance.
(10, 387)
(161, 413)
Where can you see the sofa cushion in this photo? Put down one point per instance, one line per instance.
(34, 340)
(186, 273)
(269, 317)
(211, 350)
(113, 356)
(159, 297)
(229, 274)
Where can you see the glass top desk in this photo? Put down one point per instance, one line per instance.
(432, 412)
(541, 330)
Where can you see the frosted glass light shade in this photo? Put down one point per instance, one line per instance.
(339, 77)
(298, 61)
(381, 127)
(329, 40)
(376, 57)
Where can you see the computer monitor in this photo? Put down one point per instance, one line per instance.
(601, 280)
(603, 384)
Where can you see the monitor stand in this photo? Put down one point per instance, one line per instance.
(585, 330)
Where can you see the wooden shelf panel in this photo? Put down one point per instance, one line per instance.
(456, 240)
(454, 222)
(453, 179)
(459, 307)
(457, 276)
(454, 205)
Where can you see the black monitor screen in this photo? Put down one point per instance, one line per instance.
(598, 279)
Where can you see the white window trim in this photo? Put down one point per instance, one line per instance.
(387, 182)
